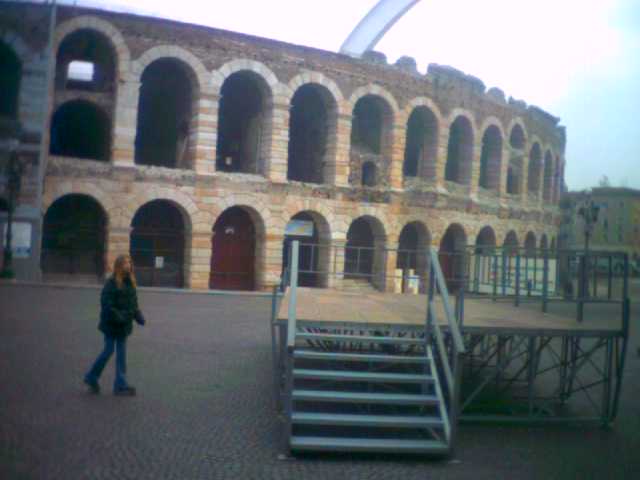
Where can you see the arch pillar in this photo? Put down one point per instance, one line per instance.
(338, 172)
(474, 177)
(204, 136)
(390, 257)
(197, 259)
(276, 148)
(441, 156)
(118, 241)
(125, 122)
(269, 270)
(398, 141)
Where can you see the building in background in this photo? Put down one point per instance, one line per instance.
(194, 148)
(618, 225)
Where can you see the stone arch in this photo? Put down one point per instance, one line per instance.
(320, 209)
(62, 189)
(74, 237)
(113, 35)
(237, 65)
(180, 200)
(491, 155)
(318, 78)
(461, 146)
(378, 91)
(423, 121)
(495, 122)
(517, 121)
(259, 213)
(534, 167)
(530, 243)
(193, 65)
(511, 241)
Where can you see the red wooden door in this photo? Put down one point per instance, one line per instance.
(233, 252)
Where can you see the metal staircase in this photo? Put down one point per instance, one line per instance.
(360, 388)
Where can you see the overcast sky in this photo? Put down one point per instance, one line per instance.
(577, 59)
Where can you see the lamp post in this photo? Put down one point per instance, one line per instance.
(13, 173)
(589, 213)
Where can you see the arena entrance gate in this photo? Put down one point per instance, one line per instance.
(233, 251)
(157, 245)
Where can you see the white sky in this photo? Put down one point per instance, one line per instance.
(577, 59)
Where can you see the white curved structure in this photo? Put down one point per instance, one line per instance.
(374, 25)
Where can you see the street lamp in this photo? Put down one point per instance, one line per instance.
(589, 213)
(13, 173)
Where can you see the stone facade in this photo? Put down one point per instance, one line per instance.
(201, 192)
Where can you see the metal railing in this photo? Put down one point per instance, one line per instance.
(450, 358)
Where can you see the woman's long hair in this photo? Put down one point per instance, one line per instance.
(118, 271)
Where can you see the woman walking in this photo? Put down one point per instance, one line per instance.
(118, 310)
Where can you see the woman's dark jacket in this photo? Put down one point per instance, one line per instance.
(118, 308)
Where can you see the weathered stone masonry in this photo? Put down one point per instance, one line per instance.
(523, 154)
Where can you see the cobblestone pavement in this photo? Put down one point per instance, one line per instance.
(204, 408)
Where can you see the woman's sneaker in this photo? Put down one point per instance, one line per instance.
(127, 391)
(93, 386)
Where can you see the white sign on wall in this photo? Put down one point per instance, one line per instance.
(20, 239)
(299, 228)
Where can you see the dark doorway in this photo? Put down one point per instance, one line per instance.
(359, 251)
(10, 74)
(452, 256)
(308, 132)
(530, 244)
(369, 174)
(164, 115)
(233, 251)
(73, 237)
(308, 254)
(241, 123)
(421, 146)
(491, 158)
(486, 241)
(157, 245)
(368, 123)
(459, 152)
(80, 129)
(535, 169)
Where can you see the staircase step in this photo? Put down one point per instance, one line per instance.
(359, 397)
(343, 375)
(357, 357)
(360, 338)
(401, 421)
(368, 445)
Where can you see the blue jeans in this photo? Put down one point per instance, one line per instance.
(120, 345)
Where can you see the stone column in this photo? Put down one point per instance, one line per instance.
(504, 169)
(474, 178)
(276, 142)
(118, 242)
(525, 175)
(269, 261)
(398, 139)
(125, 122)
(204, 134)
(197, 260)
(338, 172)
(441, 157)
(391, 260)
(336, 262)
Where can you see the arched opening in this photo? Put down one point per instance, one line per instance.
(543, 242)
(511, 244)
(459, 152)
(369, 174)
(167, 93)
(81, 129)
(86, 61)
(363, 259)
(548, 177)
(530, 244)
(491, 158)
(535, 169)
(452, 256)
(311, 117)
(421, 145)
(4, 205)
(516, 139)
(157, 245)
(370, 142)
(412, 259)
(233, 256)
(312, 231)
(73, 237)
(10, 75)
(485, 241)
(242, 123)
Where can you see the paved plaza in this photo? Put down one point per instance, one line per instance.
(205, 408)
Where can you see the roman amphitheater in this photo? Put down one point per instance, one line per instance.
(194, 148)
